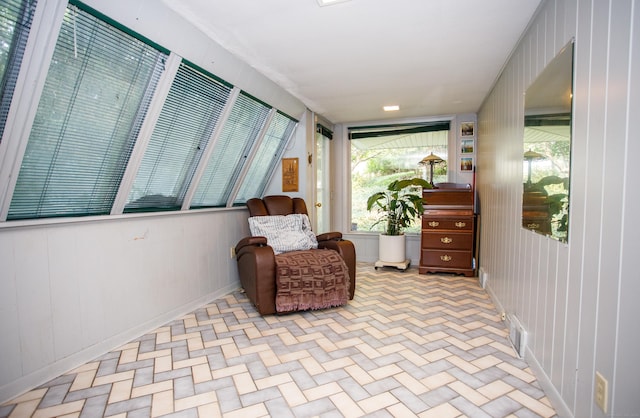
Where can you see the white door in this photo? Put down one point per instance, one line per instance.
(322, 192)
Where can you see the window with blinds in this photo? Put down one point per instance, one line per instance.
(266, 158)
(184, 128)
(97, 91)
(15, 22)
(230, 152)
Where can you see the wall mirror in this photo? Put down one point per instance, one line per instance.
(547, 148)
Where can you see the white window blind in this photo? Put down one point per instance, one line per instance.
(15, 22)
(230, 152)
(186, 123)
(266, 159)
(96, 94)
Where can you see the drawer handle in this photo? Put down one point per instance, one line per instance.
(446, 240)
(461, 224)
(433, 224)
(445, 257)
(533, 226)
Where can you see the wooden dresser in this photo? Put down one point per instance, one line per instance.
(448, 231)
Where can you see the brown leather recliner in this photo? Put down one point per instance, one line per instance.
(256, 260)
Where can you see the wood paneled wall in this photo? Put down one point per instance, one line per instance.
(576, 300)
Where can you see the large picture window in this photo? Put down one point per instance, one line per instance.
(381, 154)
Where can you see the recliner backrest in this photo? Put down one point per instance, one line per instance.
(276, 205)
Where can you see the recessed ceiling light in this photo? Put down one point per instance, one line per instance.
(392, 108)
(329, 2)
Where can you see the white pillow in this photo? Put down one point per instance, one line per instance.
(284, 233)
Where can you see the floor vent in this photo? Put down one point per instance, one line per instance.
(483, 276)
(517, 335)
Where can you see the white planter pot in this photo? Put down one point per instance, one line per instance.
(391, 248)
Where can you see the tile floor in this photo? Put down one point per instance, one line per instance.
(407, 345)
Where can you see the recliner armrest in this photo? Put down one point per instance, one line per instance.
(252, 241)
(257, 271)
(329, 236)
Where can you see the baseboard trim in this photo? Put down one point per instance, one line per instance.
(562, 410)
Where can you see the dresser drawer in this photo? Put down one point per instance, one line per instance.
(448, 259)
(453, 224)
(447, 240)
(536, 221)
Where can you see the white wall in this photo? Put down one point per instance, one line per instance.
(297, 148)
(455, 153)
(577, 300)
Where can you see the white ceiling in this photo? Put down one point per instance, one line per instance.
(345, 61)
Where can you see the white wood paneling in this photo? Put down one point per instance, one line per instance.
(627, 346)
(572, 298)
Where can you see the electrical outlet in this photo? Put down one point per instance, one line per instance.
(602, 392)
(233, 252)
(503, 316)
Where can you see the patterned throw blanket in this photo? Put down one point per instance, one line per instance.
(311, 280)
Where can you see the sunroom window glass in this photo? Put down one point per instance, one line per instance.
(266, 158)
(97, 91)
(230, 152)
(381, 154)
(15, 22)
(186, 123)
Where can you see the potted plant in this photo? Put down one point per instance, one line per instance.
(398, 207)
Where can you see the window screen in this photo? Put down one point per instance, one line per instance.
(186, 123)
(96, 94)
(230, 152)
(266, 158)
(15, 22)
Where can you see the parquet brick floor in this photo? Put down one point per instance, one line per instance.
(407, 345)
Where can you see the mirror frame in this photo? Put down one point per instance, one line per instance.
(548, 115)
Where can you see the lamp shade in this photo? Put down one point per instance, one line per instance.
(431, 159)
(532, 155)
(529, 156)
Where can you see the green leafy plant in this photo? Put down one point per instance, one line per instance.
(397, 205)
